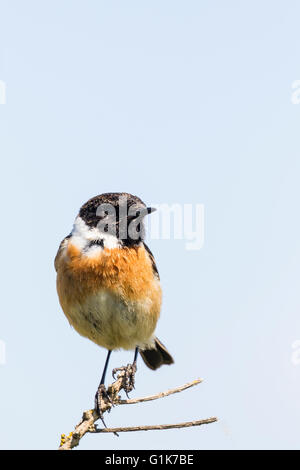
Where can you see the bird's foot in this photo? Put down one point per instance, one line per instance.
(101, 397)
(129, 376)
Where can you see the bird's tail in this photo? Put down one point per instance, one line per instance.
(156, 356)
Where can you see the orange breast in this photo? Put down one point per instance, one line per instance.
(125, 272)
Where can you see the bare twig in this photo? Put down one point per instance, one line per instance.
(89, 418)
(155, 427)
(132, 401)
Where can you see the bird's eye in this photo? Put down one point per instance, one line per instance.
(102, 214)
(134, 215)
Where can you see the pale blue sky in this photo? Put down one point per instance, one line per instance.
(177, 102)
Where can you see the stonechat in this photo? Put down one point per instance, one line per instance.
(108, 283)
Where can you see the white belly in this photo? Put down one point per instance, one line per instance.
(109, 321)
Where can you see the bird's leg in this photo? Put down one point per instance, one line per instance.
(102, 392)
(130, 370)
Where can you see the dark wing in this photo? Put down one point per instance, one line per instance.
(155, 270)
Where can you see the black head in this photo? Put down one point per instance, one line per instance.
(119, 214)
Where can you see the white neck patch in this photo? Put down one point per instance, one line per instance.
(82, 235)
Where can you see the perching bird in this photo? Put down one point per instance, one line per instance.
(108, 284)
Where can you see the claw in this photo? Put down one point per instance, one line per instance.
(129, 376)
(101, 395)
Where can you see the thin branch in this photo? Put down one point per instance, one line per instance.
(155, 427)
(133, 401)
(89, 418)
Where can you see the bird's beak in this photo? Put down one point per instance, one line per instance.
(151, 209)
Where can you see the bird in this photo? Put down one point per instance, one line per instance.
(108, 283)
